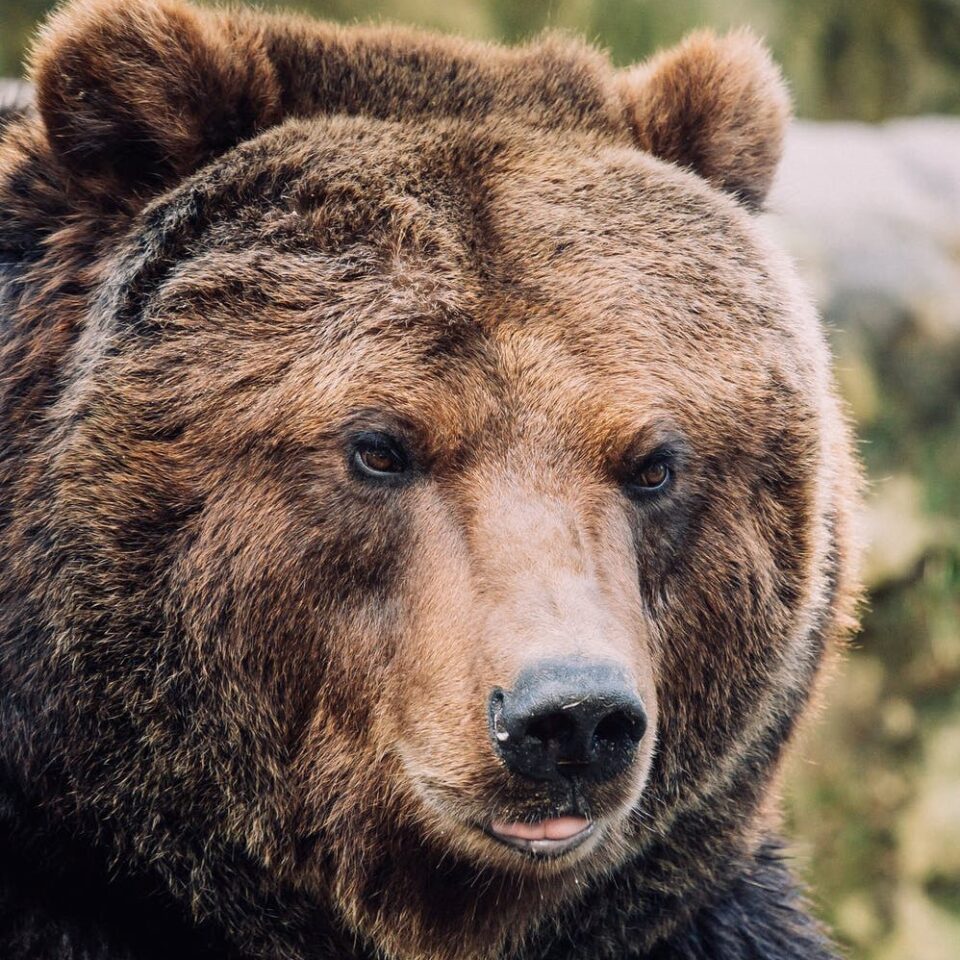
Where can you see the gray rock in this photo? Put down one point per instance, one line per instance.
(872, 215)
(14, 95)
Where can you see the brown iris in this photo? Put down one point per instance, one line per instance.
(654, 476)
(650, 477)
(379, 456)
(379, 461)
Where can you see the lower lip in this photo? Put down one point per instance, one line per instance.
(547, 838)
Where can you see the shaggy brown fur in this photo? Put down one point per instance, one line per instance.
(243, 687)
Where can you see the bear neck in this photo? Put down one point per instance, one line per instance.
(58, 900)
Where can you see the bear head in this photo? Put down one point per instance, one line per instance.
(426, 502)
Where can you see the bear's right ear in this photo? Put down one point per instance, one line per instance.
(136, 94)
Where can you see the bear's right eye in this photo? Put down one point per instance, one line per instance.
(380, 457)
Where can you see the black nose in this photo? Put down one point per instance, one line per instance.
(568, 718)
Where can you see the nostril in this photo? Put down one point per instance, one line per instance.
(621, 726)
(552, 726)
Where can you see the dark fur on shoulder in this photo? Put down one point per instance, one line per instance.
(757, 913)
(248, 679)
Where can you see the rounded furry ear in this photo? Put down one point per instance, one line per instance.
(714, 105)
(144, 91)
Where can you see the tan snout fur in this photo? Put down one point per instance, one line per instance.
(517, 573)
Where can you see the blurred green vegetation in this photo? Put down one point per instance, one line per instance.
(874, 795)
(851, 59)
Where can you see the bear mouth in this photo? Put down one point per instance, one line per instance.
(544, 838)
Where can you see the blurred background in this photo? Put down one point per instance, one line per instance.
(868, 202)
(846, 59)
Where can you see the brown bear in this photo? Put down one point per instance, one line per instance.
(426, 510)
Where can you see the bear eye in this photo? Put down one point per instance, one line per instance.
(380, 457)
(652, 476)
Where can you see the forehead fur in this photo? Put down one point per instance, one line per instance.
(460, 262)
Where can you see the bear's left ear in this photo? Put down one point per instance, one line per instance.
(714, 105)
(135, 94)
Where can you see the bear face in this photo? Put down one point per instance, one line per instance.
(436, 503)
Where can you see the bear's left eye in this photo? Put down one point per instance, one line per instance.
(379, 456)
(651, 476)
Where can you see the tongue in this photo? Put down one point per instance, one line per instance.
(561, 828)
